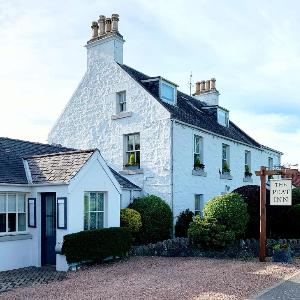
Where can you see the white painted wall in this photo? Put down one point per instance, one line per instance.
(187, 185)
(86, 123)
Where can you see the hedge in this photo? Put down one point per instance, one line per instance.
(96, 245)
(156, 219)
(131, 219)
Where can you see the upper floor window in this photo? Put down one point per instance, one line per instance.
(132, 151)
(199, 205)
(223, 117)
(198, 152)
(121, 101)
(270, 163)
(225, 158)
(93, 210)
(167, 92)
(12, 212)
(247, 163)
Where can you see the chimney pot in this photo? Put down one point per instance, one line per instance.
(115, 21)
(101, 23)
(94, 30)
(197, 88)
(213, 84)
(202, 86)
(108, 25)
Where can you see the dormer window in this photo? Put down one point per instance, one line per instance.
(223, 117)
(168, 92)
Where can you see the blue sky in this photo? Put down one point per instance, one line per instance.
(252, 48)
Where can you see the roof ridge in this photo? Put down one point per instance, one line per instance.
(61, 153)
(24, 141)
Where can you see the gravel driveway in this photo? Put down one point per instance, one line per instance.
(162, 278)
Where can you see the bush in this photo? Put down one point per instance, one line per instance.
(182, 224)
(209, 234)
(95, 245)
(296, 196)
(229, 210)
(156, 219)
(293, 216)
(131, 219)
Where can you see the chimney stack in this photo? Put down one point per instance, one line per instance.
(206, 91)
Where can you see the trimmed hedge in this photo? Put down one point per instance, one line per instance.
(229, 210)
(182, 224)
(293, 215)
(156, 219)
(96, 245)
(131, 219)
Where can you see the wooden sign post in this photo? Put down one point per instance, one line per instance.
(263, 172)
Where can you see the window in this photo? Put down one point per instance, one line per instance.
(132, 152)
(270, 163)
(61, 213)
(225, 158)
(12, 212)
(121, 101)
(223, 117)
(198, 152)
(247, 161)
(167, 92)
(199, 205)
(93, 210)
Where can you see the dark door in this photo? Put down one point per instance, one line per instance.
(48, 215)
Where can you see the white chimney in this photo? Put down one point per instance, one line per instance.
(206, 92)
(106, 40)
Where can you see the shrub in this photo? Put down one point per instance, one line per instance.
(156, 219)
(293, 216)
(296, 196)
(209, 234)
(182, 224)
(95, 245)
(131, 219)
(229, 210)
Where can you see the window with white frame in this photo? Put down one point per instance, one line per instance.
(225, 158)
(132, 151)
(270, 163)
(223, 117)
(93, 210)
(199, 205)
(12, 213)
(198, 152)
(167, 92)
(247, 162)
(121, 101)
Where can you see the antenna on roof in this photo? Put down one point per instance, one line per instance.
(190, 83)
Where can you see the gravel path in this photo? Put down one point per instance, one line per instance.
(162, 278)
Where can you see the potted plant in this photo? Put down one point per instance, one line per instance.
(132, 164)
(282, 253)
(247, 171)
(198, 165)
(225, 168)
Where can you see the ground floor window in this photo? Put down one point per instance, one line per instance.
(93, 210)
(12, 212)
(199, 205)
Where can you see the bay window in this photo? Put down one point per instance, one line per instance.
(93, 210)
(12, 213)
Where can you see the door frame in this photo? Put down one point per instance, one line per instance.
(43, 225)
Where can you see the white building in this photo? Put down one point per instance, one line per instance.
(49, 191)
(170, 144)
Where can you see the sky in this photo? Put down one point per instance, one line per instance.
(252, 48)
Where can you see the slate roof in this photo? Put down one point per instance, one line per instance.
(47, 163)
(58, 167)
(191, 111)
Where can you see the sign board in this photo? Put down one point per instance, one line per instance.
(281, 192)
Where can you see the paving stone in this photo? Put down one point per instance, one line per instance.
(28, 276)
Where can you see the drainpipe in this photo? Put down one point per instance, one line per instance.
(172, 177)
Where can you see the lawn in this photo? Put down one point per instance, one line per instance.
(162, 278)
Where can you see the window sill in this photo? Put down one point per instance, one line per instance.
(248, 179)
(121, 115)
(131, 172)
(226, 176)
(199, 173)
(17, 237)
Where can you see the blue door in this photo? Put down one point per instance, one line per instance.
(48, 230)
